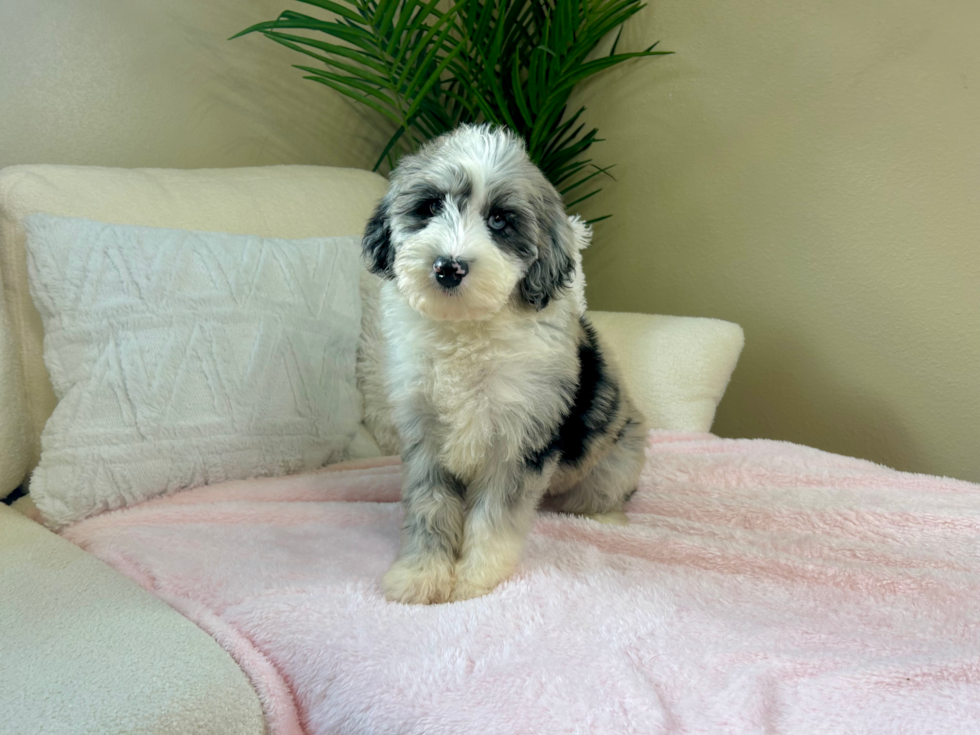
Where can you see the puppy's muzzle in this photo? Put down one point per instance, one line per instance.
(450, 272)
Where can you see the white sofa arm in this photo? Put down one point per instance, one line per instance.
(676, 368)
(14, 451)
(85, 650)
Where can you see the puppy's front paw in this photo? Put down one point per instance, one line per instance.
(476, 581)
(468, 590)
(419, 582)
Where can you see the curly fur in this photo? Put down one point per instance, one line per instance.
(499, 388)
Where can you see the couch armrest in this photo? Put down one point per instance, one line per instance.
(85, 650)
(14, 451)
(675, 368)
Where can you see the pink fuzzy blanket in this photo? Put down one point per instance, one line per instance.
(762, 587)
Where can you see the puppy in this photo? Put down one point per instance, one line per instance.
(501, 392)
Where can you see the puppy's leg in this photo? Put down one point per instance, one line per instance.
(431, 532)
(604, 489)
(501, 510)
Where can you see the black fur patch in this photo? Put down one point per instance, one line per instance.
(15, 494)
(428, 208)
(436, 476)
(594, 405)
(514, 238)
(409, 200)
(552, 271)
(424, 521)
(414, 204)
(376, 243)
(455, 484)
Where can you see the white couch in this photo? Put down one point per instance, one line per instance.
(83, 649)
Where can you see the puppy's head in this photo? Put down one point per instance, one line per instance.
(468, 225)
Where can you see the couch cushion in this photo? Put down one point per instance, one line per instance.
(85, 650)
(276, 201)
(676, 368)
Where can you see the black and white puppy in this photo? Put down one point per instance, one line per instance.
(499, 387)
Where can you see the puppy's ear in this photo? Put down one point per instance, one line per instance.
(554, 268)
(376, 243)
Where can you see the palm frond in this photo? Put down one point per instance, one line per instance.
(508, 62)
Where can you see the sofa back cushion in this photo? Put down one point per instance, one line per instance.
(290, 202)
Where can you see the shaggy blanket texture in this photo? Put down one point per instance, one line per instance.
(762, 587)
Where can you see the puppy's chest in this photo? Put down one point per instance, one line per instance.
(475, 388)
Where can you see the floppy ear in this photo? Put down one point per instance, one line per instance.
(376, 243)
(554, 268)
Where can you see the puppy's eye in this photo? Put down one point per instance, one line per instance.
(429, 208)
(497, 221)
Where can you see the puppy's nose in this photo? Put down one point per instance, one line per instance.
(450, 271)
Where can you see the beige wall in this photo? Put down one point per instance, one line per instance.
(812, 172)
(808, 170)
(148, 83)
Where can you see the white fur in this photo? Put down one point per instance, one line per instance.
(482, 375)
(372, 355)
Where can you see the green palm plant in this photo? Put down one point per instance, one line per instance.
(426, 69)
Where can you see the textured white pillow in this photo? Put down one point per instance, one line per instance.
(185, 358)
